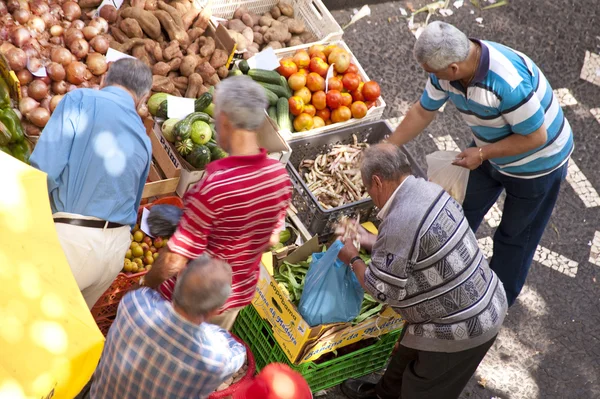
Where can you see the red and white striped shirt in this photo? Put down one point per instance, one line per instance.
(230, 215)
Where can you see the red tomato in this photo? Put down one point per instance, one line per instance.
(371, 91)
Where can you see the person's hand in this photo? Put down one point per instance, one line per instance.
(470, 158)
(348, 252)
(359, 233)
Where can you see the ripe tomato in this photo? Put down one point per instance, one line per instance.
(357, 94)
(310, 109)
(371, 91)
(342, 114)
(303, 122)
(319, 99)
(335, 83)
(297, 81)
(287, 67)
(296, 105)
(324, 114)
(346, 99)
(350, 81)
(318, 122)
(352, 69)
(359, 109)
(334, 99)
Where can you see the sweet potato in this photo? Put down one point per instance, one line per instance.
(140, 53)
(275, 12)
(181, 83)
(153, 48)
(89, 3)
(194, 83)
(138, 3)
(131, 28)
(189, 17)
(118, 34)
(207, 49)
(236, 25)
(219, 58)
(171, 51)
(173, 12)
(223, 72)
(151, 5)
(182, 5)
(174, 31)
(162, 84)
(148, 22)
(195, 33)
(258, 38)
(173, 74)
(237, 14)
(193, 48)
(175, 64)
(203, 40)
(286, 9)
(188, 65)
(205, 70)
(127, 45)
(203, 18)
(161, 69)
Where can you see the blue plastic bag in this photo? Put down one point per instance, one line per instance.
(332, 292)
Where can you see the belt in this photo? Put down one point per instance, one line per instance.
(98, 224)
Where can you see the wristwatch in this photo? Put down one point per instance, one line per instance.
(356, 258)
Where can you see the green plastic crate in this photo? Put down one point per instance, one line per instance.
(257, 333)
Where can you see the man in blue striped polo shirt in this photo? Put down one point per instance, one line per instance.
(522, 141)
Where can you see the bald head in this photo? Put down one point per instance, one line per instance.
(384, 160)
(203, 286)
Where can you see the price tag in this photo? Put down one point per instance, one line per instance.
(266, 59)
(179, 107)
(39, 73)
(113, 55)
(329, 76)
(144, 222)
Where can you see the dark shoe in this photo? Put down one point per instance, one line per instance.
(357, 389)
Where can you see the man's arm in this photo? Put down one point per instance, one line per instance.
(274, 240)
(52, 150)
(236, 355)
(421, 113)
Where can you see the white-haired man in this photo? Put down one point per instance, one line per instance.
(522, 141)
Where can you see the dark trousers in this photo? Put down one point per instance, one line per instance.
(527, 210)
(414, 374)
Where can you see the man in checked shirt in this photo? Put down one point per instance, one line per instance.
(156, 349)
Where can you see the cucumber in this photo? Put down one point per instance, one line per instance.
(283, 114)
(203, 102)
(161, 112)
(277, 89)
(244, 67)
(262, 75)
(183, 128)
(273, 113)
(284, 83)
(272, 97)
(234, 72)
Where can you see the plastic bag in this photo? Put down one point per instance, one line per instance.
(163, 220)
(332, 292)
(452, 178)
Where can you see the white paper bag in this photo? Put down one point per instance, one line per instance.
(452, 178)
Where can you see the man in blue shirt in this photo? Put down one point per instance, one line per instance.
(522, 141)
(97, 155)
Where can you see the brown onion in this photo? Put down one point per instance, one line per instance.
(56, 71)
(39, 116)
(57, 41)
(80, 48)
(54, 102)
(13, 5)
(25, 77)
(20, 36)
(17, 59)
(100, 44)
(45, 103)
(62, 56)
(90, 32)
(36, 24)
(6, 47)
(78, 24)
(3, 9)
(30, 129)
(49, 19)
(34, 64)
(59, 87)
(38, 90)
(39, 7)
(72, 10)
(21, 16)
(72, 34)
(45, 79)
(96, 63)
(101, 24)
(109, 13)
(76, 72)
(27, 104)
(24, 91)
(57, 30)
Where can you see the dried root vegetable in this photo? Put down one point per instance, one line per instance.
(334, 178)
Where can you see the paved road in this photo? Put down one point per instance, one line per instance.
(550, 344)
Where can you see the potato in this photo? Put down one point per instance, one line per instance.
(256, 28)
(265, 20)
(275, 12)
(286, 9)
(295, 41)
(241, 41)
(275, 45)
(236, 25)
(240, 12)
(188, 65)
(247, 19)
(193, 48)
(131, 28)
(276, 34)
(258, 38)
(248, 34)
(308, 37)
(295, 26)
(219, 58)
(263, 29)
(288, 37)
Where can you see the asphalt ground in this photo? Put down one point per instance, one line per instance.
(549, 346)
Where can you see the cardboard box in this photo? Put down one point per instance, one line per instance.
(300, 342)
(164, 153)
(269, 138)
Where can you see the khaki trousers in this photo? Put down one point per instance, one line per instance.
(95, 255)
(226, 319)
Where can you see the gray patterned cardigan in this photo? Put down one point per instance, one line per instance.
(427, 265)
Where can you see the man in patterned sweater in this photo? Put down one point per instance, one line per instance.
(426, 264)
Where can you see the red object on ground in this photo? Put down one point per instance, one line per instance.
(275, 381)
(245, 379)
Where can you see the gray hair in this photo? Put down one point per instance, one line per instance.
(132, 74)
(440, 45)
(243, 101)
(203, 286)
(384, 160)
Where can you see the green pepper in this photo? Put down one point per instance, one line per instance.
(5, 135)
(12, 122)
(6, 150)
(21, 151)
(4, 94)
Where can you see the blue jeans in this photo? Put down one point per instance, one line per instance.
(527, 210)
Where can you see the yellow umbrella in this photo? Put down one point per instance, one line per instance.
(49, 342)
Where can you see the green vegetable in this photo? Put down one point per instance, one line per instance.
(216, 152)
(272, 97)
(161, 112)
(283, 114)
(235, 72)
(273, 113)
(203, 102)
(211, 90)
(370, 307)
(201, 132)
(199, 157)
(5, 135)
(184, 147)
(4, 94)
(262, 75)
(183, 128)
(6, 150)
(210, 110)
(285, 236)
(167, 129)
(277, 89)
(291, 277)
(21, 151)
(155, 102)
(284, 83)
(11, 121)
(244, 67)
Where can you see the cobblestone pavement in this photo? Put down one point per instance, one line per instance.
(550, 344)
